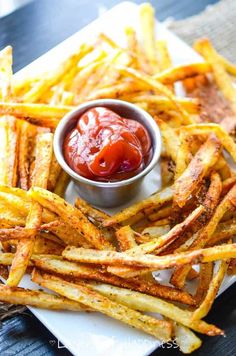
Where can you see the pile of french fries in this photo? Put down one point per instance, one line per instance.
(96, 262)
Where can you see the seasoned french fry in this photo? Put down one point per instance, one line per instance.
(71, 216)
(154, 200)
(125, 237)
(90, 211)
(33, 221)
(204, 159)
(170, 138)
(80, 293)
(38, 299)
(205, 276)
(75, 270)
(148, 303)
(15, 233)
(61, 184)
(54, 173)
(152, 262)
(212, 291)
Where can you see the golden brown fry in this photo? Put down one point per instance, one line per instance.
(91, 212)
(46, 246)
(15, 233)
(163, 55)
(39, 114)
(205, 276)
(212, 291)
(71, 216)
(125, 238)
(33, 221)
(147, 22)
(75, 270)
(155, 200)
(83, 294)
(186, 339)
(148, 303)
(38, 299)
(170, 139)
(152, 262)
(204, 159)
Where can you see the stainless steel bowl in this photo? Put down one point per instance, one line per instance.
(108, 194)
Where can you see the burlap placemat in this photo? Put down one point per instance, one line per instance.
(217, 22)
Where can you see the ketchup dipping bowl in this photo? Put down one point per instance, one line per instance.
(115, 193)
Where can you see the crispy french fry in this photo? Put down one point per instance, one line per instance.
(205, 276)
(46, 246)
(33, 221)
(154, 200)
(54, 173)
(90, 211)
(148, 303)
(87, 296)
(71, 216)
(125, 237)
(152, 262)
(15, 233)
(170, 139)
(38, 299)
(212, 291)
(39, 114)
(74, 270)
(204, 159)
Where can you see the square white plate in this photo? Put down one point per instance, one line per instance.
(86, 334)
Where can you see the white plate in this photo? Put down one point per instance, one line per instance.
(87, 334)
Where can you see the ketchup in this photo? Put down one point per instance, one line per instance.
(107, 147)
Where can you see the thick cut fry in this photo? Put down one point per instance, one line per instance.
(54, 173)
(205, 276)
(154, 200)
(39, 114)
(16, 295)
(148, 303)
(80, 293)
(147, 22)
(71, 216)
(33, 221)
(6, 73)
(186, 339)
(46, 246)
(91, 212)
(181, 72)
(75, 270)
(152, 262)
(125, 237)
(212, 291)
(204, 159)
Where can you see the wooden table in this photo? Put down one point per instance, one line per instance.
(32, 31)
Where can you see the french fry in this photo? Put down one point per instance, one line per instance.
(38, 299)
(6, 73)
(163, 55)
(212, 291)
(46, 246)
(15, 233)
(148, 303)
(170, 138)
(71, 216)
(154, 200)
(147, 22)
(74, 270)
(204, 236)
(205, 277)
(39, 114)
(155, 85)
(54, 173)
(87, 296)
(186, 339)
(181, 72)
(33, 221)
(125, 238)
(53, 78)
(90, 212)
(152, 262)
(204, 159)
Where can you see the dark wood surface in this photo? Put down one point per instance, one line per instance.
(32, 31)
